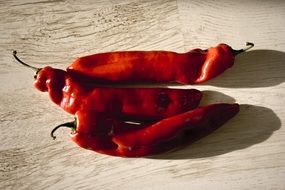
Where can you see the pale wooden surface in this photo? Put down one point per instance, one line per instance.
(246, 153)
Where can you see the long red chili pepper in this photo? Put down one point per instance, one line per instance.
(138, 102)
(195, 66)
(97, 132)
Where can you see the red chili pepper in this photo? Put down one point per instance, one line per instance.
(138, 102)
(100, 133)
(195, 66)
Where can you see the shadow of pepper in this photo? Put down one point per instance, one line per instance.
(242, 131)
(212, 97)
(256, 68)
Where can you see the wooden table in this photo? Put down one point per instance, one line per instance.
(246, 153)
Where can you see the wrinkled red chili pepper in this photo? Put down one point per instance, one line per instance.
(73, 96)
(100, 133)
(195, 66)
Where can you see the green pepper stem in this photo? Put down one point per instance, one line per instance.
(25, 64)
(249, 45)
(71, 125)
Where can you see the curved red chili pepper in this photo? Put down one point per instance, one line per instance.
(152, 103)
(195, 66)
(98, 132)
(174, 131)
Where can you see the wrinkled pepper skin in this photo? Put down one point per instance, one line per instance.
(193, 67)
(141, 103)
(111, 136)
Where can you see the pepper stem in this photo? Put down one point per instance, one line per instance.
(25, 64)
(249, 45)
(71, 125)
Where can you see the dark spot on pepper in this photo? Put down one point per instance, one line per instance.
(163, 100)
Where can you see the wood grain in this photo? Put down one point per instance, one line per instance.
(246, 153)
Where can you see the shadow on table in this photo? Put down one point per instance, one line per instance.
(256, 68)
(212, 97)
(253, 124)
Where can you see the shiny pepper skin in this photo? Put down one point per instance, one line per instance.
(193, 67)
(140, 103)
(98, 132)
